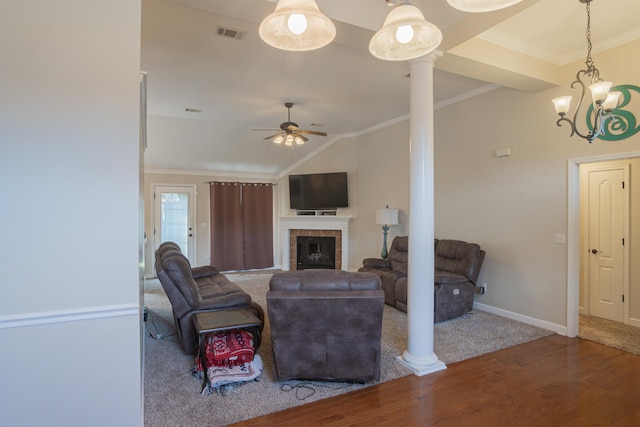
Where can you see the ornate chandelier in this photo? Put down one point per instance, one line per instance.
(604, 101)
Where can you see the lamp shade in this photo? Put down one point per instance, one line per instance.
(387, 216)
(297, 25)
(599, 91)
(612, 100)
(562, 104)
(405, 35)
(481, 5)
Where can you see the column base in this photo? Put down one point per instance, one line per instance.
(421, 367)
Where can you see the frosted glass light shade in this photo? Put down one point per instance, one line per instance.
(278, 139)
(611, 101)
(599, 91)
(562, 104)
(275, 31)
(481, 5)
(426, 37)
(387, 216)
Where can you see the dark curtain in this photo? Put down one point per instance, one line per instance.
(257, 221)
(241, 225)
(226, 225)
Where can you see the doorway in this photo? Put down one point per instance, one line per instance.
(174, 217)
(574, 251)
(605, 240)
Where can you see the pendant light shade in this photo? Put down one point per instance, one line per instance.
(297, 25)
(405, 35)
(481, 5)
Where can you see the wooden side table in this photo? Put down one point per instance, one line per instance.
(224, 320)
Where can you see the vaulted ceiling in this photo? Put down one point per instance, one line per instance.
(208, 92)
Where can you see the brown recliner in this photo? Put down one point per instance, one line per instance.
(326, 325)
(456, 268)
(196, 290)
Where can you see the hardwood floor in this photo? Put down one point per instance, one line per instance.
(553, 381)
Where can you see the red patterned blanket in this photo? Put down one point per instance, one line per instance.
(227, 348)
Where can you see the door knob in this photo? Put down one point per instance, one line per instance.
(594, 251)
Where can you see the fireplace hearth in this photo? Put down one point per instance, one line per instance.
(315, 252)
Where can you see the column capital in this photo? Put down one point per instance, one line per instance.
(431, 57)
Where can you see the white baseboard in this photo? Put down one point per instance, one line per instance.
(634, 322)
(559, 329)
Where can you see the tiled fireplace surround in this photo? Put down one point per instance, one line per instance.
(321, 226)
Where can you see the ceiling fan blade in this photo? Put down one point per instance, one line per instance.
(292, 127)
(301, 136)
(312, 132)
(273, 136)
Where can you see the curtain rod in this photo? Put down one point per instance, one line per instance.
(241, 183)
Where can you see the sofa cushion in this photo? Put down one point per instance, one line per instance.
(219, 292)
(457, 257)
(178, 269)
(399, 254)
(375, 263)
(446, 278)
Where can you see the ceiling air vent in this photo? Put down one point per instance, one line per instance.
(228, 32)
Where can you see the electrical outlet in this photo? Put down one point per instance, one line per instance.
(482, 289)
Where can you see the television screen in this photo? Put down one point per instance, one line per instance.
(318, 191)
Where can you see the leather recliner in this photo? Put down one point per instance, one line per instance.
(456, 268)
(195, 290)
(326, 325)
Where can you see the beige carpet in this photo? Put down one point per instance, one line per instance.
(610, 333)
(172, 396)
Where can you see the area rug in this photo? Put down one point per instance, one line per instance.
(172, 396)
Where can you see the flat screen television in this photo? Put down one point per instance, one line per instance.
(318, 191)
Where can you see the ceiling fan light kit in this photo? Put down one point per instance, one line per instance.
(290, 133)
(404, 35)
(297, 25)
(481, 5)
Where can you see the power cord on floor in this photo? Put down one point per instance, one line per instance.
(308, 388)
(148, 317)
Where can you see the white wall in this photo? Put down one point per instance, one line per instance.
(69, 168)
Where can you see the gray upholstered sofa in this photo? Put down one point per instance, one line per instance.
(194, 290)
(326, 325)
(456, 270)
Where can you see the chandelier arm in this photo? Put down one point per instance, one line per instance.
(564, 119)
(583, 88)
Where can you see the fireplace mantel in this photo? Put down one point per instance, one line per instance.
(323, 222)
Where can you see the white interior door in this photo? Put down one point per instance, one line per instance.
(174, 217)
(607, 232)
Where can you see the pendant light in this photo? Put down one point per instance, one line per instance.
(481, 5)
(604, 101)
(297, 25)
(405, 34)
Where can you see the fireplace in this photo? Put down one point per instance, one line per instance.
(323, 226)
(315, 252)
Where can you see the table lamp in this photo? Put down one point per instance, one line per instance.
(386, 217)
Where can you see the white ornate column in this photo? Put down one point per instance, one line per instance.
(419, 356)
